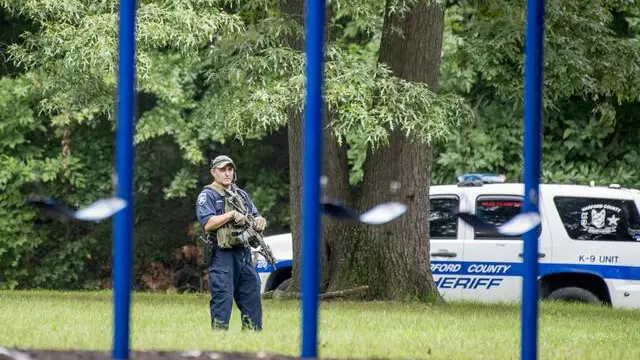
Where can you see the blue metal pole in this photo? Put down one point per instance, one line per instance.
(312, 166)
(532, 157)
(123, 224)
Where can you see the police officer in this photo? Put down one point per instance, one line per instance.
(232, 275)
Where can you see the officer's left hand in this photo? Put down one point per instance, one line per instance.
(259, 223)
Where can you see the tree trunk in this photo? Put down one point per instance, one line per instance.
(294, 9)
(335, 165)
(334, 232)
(393, 259)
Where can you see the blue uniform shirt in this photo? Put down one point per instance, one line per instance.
(211, 203)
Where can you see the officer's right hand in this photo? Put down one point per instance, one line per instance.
(238, 218)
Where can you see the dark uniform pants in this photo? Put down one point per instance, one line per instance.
(232, 276)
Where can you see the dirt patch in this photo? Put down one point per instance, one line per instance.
(43, 354)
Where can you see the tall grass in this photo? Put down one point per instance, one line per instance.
(83, 320)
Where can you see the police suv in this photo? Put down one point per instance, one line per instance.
(589, 244)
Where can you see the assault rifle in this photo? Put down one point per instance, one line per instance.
(246, 233)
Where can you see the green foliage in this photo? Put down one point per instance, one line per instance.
(578, 59)
(250, 78)
(367, 102)
(18, 154)
(591, 91)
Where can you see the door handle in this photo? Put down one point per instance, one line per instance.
(540, 255)
(444, 254)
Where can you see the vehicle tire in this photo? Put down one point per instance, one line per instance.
(574, 294)
(284, 286)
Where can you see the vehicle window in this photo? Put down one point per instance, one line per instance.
(599, 219)
(443, 222)
(496, 210)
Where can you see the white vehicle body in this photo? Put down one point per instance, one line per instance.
(589, 245)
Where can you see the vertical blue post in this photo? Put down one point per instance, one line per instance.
(311, 171)
(532, 158)
(123, 225)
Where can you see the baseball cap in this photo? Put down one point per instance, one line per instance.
(221, 161)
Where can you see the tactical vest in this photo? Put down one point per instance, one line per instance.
(224, 234)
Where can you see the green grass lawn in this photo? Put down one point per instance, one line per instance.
(83, 320)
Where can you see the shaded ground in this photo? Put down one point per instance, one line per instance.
(43, 354)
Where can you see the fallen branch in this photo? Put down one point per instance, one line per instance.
(290, 295)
